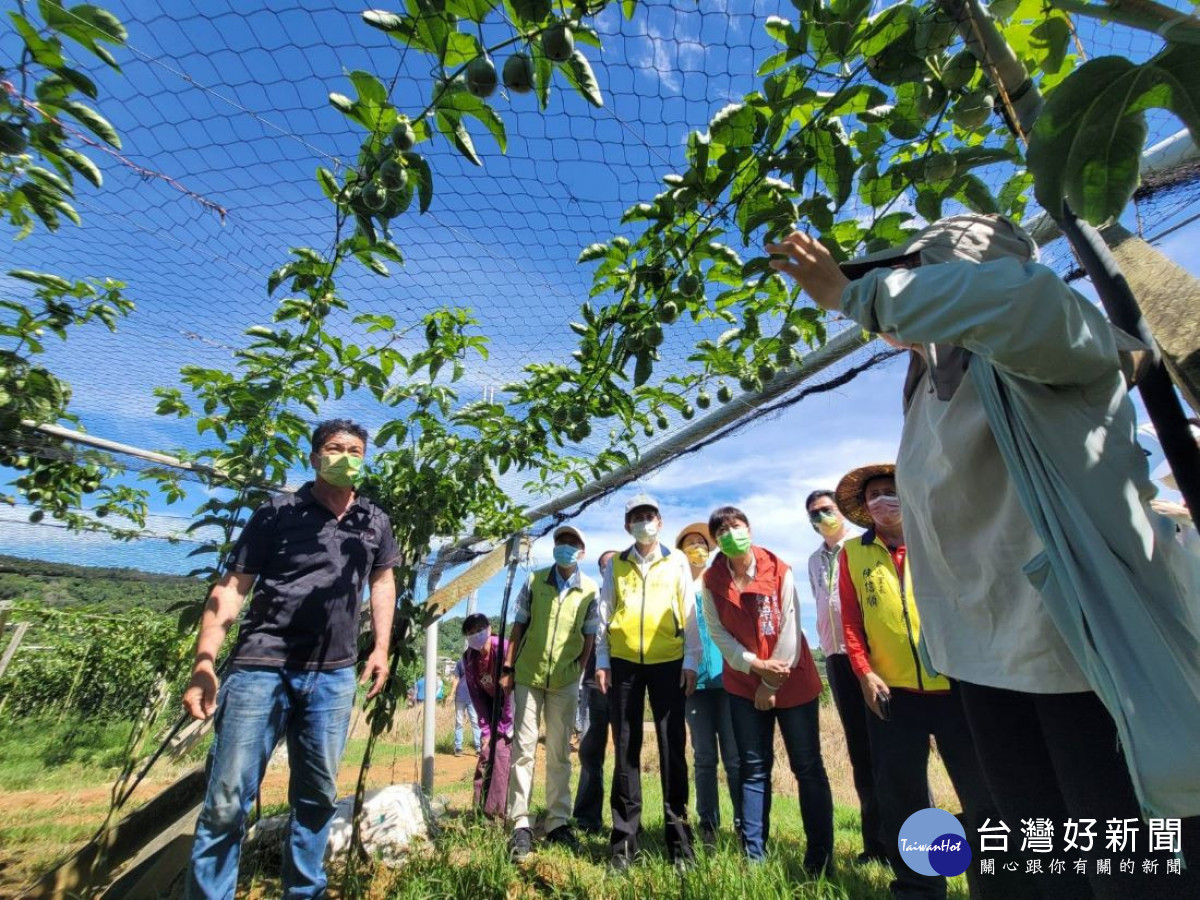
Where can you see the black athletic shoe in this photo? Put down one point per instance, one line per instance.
(520, 845)
(564, 837)
(708, 836)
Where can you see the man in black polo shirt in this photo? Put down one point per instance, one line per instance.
(306, 556)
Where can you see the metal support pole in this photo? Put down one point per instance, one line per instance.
(472, 599)
(13, 646)
(430, 708)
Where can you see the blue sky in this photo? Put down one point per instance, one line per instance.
(232, 105)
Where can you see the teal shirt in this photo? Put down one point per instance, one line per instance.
(711, 663)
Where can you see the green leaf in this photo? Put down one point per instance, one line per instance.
(471, 10)
(528, 12)
(424, 174)
(1053, 38)
(855, 99)
(886, 28)
(45, 52)
(734, 125)
(98, 23)
(82, 165)
(460, 103)
(389, 22)
(543, 73)
(974, 194)
(42, 279)
(592, 252)
(452, 127)
(578, 72)
(92, 121)
(54, 87)
(370, 89)
(835, 162)
(1086, 145)
(328, 182)
(1014, 196)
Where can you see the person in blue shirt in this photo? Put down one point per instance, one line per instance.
(417, 693)
(708, 707)
(464, 708)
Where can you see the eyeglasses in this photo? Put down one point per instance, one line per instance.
(816, 515)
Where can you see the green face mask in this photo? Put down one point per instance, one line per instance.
(340, 469)
(735, 542)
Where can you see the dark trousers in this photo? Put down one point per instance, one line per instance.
(799, 726)
(632, 682)
(589, 796)
(1056, 757)
(852, 710)
(900, 751)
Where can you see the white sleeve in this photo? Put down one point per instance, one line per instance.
(731, 649)
(605, 610)
(787, 648)
(692, 647)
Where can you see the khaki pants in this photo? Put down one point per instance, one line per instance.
(557, 710)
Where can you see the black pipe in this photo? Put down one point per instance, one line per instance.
(1157, 389)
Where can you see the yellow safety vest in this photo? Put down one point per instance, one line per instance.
(553, 639)
(647, 616)
(890, 616)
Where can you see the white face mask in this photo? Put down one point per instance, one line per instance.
(644, 532)
(885, 510)
(479, 640)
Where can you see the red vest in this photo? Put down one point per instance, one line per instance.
(753, 616)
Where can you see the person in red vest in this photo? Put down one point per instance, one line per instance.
(753, 615)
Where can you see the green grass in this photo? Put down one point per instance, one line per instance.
(46, 754)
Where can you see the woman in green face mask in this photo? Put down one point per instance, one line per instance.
(753, 616)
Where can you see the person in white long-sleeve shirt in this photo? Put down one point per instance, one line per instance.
(649, 644)
(752, 612)
(830, 524)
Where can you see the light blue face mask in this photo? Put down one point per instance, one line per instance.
(566, 555)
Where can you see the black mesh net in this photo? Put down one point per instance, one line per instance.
(224, 117)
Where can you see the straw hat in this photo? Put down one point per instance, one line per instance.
(700, 528)
(849, 493)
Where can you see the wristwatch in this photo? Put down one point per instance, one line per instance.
(507, 670)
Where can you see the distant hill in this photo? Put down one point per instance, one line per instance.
(107, 589)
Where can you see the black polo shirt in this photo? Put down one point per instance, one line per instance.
(311, 570)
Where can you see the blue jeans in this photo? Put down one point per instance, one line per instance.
(800, 730)
(469, 707)
(258, 705)
(710, 725)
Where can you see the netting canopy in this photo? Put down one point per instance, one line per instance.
(224, 116)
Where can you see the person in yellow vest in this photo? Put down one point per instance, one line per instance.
(553, 634)
(649, 644)
(908, 703)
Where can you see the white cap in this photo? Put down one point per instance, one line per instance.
(570, 529)
(641, 500)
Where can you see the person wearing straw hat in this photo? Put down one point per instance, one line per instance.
(1049, 589)
(553, 631)
(830, 524)
(708, 718)
(753, 615)
(649, 648)
(908, 703)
